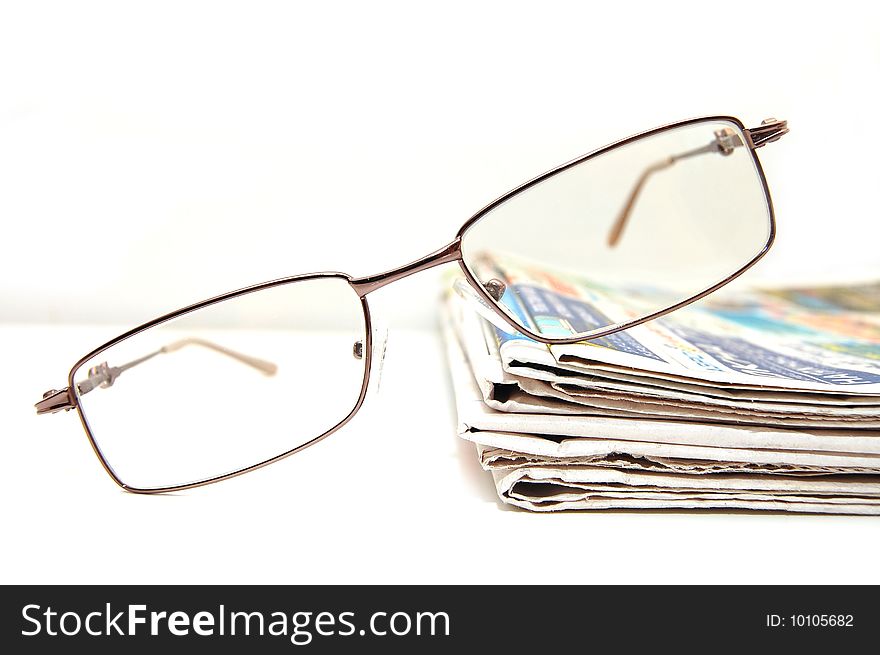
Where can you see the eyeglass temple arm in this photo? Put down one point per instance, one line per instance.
(726, 140)
(104, 375)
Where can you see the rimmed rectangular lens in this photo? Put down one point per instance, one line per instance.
(227, 386)
(625, 233)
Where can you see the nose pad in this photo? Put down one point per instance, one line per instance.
(480, 306)
(377, 361)
(380, 347)
(495, 288)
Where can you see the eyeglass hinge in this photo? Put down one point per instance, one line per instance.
(55, 400)
(768, 131)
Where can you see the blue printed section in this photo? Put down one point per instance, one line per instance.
(509, 299)
(756, 318)
(751, 359)
(558, 316)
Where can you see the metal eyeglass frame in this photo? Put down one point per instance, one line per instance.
(66, 399)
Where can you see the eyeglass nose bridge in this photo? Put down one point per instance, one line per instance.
(445, 255)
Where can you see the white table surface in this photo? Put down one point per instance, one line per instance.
(395, 497)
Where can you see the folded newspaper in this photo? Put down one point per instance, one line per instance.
(763, 400)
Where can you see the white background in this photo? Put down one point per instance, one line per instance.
(153, 154)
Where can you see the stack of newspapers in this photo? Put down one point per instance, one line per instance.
(761, 400)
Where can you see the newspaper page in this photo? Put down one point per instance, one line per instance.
(555, 425)
(785, 357)
(545, 471)
(805, 340)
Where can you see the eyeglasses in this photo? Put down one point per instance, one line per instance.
(227, 385)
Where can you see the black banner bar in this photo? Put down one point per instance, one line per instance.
(319, 619)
